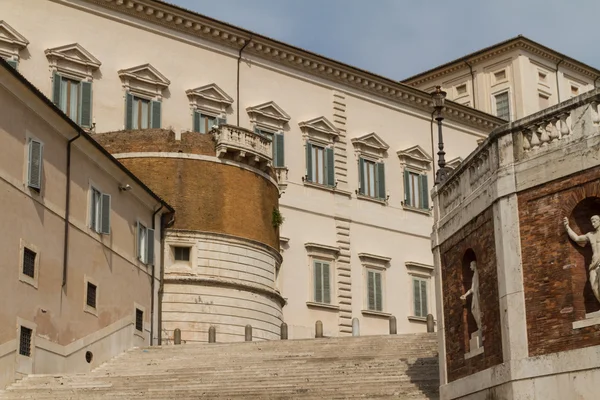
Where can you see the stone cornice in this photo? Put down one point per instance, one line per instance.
(185, 21)
(518, 43)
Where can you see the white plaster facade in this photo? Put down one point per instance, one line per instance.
(297, 98)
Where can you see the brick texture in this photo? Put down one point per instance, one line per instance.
(476, 237)
(207, 196)
(555, 269)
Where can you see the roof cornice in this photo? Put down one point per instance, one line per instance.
(518, 43)
(182, 20)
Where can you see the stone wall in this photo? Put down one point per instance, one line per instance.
(476, 236)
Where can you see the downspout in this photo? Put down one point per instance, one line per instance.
(472, 86)
(152, 283)
(432, 145)
(557, 84)
(161, 286)
(67, 210)
(239, 61)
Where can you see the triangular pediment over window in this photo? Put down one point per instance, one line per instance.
(454, 163)
(73, 53)
(269, 110)
(9, 36)
(321, 125)
(415, 156)
(211, 92)
(371, 141)
(145, 73)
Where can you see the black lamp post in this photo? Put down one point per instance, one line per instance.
(438, 103)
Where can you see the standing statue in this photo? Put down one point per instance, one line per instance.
(594, 239)
(474, 291)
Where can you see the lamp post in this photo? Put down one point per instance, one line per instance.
(438, 103)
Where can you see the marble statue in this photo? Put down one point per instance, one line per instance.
(474, 291)
(594, 240)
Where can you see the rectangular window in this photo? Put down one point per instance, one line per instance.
(322, 282)
(277, 145)
(461, 89)
(69, 98)
(29, 262)
(74, 98)
(100, 211)
(372, 178)
(416, 190)
(502, 106)
(204, 123)
(182, 253)
(91, 295)
(25, 342)
(374, 288)
(574, 90)
(145, 242)
(141, 113)
(542, 76)
(500, 75)
(12, 63)
(34, 164)
(139, 320)
(544, 101)
(320, 165)
(420, 297)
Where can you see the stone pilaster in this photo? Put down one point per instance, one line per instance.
(343, 276)
(340, 153)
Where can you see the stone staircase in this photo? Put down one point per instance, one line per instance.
(369, 367)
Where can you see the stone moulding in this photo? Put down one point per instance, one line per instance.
(182, 20)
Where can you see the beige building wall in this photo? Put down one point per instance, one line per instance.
(63, 326)
(321, 223)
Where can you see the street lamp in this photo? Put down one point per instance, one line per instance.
(438, 103)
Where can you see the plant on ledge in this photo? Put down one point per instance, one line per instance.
(277, 218)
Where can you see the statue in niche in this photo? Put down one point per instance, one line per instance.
(594, 240)
(474, 291)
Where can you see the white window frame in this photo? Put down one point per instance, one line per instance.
(141, 334)
(423, 272)
(26, 180)
(96, 210)
(415, 160)
(379, 264)
(143, 245)
(421, 280)
(510, 105)
(381, 273)
(33, 281)
(327, 254)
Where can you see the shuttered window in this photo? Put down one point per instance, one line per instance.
(374, 291)
(322, 282)
(277, 144)
(142, 113)
(145, 244)
(35, 162)
(74, 98)
(420, 297)
(203, 123)
(320, 165)
(416, 190)
(100, 206)
(372, 178)
(502, 106)
(13, 63)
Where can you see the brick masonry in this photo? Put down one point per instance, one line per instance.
(557, 290)
(477, 236)
(207, 196)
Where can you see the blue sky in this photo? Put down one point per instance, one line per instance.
(399, 38)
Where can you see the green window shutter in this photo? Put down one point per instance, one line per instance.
(139, 240)
(86, 104)
(381, 180)
(378, 294)
(361, 176)
(278, 150)
(370, 290)
(156, 114)
(34, 176)
(329, 167)
(196, 121)
(417, 297)
(56, 83)
(424, 310)
(318, 282)
(326, 284)
(105, 216)
(13, 63)
(308, 162)
(407, 196)
(150, 247)
(128, 111)
(424, 192)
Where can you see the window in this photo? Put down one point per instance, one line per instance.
(319, 165)
(29, 262)
(145, 242)
(203, 123)
(416, 190)
(141, 113)
(544, 101)
(25, 341)
(100, 211)
(91, 295)
(502, 105)
(420, 297)
(278, 146)
(374, 291)
(139, 320)
(461, 89)
(500, 75)
(74, 98)
(542, 76)
(372, 178)
(574, 90)
(34, 165)
(12, 63)
(322, 280)
(181, 253)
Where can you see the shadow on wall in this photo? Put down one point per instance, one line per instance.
(424, 375)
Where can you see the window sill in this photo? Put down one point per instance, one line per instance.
(319, 186)
(312, 304)
(373, 313)
(424, 211)
(373, 199)
(139, 333)
(417, 319)
(33, 282)
(90, 310)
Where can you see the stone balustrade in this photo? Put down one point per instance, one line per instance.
(242, 145)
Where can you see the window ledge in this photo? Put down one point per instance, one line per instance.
(90, 310)
(33, 282)
(373, 199)
(374, 313)
(417, 319)
(424, 211)
(319, 186)
(323, 305)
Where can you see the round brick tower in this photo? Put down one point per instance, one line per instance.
(220, 255)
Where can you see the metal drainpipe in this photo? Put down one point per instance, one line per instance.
(557, 83)
(239, 61)
(162, 277)
(472, 84)
(67, 207)
(432, 145)
(152, 283)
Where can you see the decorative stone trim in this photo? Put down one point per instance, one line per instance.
(373, 199)
(317, 249)
(419, 268)
(412, 318)
(196, 25)
(244, 146)
(209, 98)
(36, 271)
(415, 157)
(73, 59)
(373, 313)
(11, 41)
(268, 115)
(454, 163)
(312, 304)
(319, 129)
(368, 258)
(144, 79)
(370, 145)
